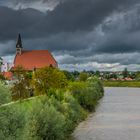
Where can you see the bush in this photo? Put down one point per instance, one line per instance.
(65, 103)
(48, 78)
(96, 83)
(83, 76)
(87, 93)
(73, 111)
(11, 123)
(20, 88)
(5, 95)
(52, 116)
(45, 123)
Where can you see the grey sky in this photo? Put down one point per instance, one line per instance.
(82, 34)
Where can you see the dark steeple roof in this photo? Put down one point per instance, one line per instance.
(19, 42)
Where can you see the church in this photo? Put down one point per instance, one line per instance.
(32, 59)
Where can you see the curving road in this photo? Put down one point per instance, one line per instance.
(117, 117)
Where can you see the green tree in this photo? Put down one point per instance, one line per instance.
(2, 78)
(97, 73)
(5, 95)
(83, 76)
(68, 75)
(45, 123)
(137, 77)
(125, 73)
(47, 78)
(12, 121)
(87, 93)
(21, 88)
(75, 74)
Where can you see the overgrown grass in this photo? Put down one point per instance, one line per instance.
(121, 83)
(5, 96)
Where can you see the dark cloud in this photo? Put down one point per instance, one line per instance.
(121, 36)
(81, 30)
(69, 16)
(15, 21)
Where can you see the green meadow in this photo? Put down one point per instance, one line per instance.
(121, 83)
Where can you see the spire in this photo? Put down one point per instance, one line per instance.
(19, 45)
(19, 42)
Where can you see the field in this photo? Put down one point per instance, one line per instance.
(121, 83)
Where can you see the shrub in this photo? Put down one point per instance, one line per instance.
(48, 78)
(11, 123)
(95, 82)
(83, 76)
(68, 75)
(45, 123)
(65, 103)
(73, 111)
(87, 93)
(52, 116)
(20, 89)
(5, 95)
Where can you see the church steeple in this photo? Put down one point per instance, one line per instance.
(19, 45)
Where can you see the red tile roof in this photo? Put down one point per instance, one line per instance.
(34, 59)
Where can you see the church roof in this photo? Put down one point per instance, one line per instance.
(34, 59)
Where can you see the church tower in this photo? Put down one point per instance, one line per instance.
(19, 45)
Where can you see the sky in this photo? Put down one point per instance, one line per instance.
(82, 34)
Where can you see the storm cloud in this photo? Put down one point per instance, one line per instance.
(77, 32)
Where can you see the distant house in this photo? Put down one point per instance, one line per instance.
(8, 75)
(32, 59)
(5, 67)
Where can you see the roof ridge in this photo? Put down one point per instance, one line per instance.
(36, 50)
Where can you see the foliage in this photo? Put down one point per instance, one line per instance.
(87, 93)
(121, 83)
(2, 78)
(137, 76)
(52, 116)
(69, 107)
(96, 83)
(47, 78)
(45, 123)
(73, 111)
(83, 76)
(21, 88)
(69, 75)
(125, 73)
(75, 74)
(11, 123)
(5, 95)
(97, 73)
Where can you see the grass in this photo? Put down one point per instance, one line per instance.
(24, 105)
(121, 83)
